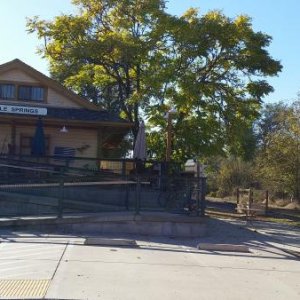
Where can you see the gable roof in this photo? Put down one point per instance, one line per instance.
(84, 115)
(18, 64)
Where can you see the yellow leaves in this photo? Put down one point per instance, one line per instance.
(34, 24)
(135, 98)
(93, 7)
(101, 78)
(242, 20)
(82, 76)
(215, 15)
(191, 15)
(123, 115)
(243, 24)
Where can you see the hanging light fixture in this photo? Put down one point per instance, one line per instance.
(64, 129)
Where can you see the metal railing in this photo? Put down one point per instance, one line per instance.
(31, 188)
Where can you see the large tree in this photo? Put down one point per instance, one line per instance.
(220, 66)
(104, 52)
(132, 57)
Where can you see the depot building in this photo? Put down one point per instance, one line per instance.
(72, 126)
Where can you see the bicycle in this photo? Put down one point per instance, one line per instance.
(173, 196)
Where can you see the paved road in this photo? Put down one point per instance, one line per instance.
(159, 268)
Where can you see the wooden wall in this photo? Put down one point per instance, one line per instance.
(84, 141)
(5, 138)
(17, 75)
(53, 98)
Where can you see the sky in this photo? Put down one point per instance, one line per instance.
(278, 18)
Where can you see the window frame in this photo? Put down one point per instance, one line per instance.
(18, 85)
(14, 92)
(29, 89)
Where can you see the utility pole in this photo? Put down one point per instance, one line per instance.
(169, 138)
(169, 135)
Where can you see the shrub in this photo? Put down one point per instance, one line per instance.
(234, 173)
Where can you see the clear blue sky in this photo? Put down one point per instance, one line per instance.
(278, 18)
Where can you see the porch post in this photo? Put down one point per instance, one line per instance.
(12, 148)
(99, 146)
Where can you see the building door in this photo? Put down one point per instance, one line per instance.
(25, 144)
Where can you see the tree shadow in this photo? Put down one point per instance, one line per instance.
(272, 243)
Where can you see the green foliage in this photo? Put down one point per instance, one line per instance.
(244, 144)
(276, 165)
(104, 53)
(270, 121)
(121, 151)
(156, 142)
(278, 162)
(212, 169)
(133, 58)
(234, 173)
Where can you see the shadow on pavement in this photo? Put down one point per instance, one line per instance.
(265, 239)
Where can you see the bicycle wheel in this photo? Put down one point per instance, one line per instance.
(175, 201)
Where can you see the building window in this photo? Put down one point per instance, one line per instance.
(31, 93)
(7, 91)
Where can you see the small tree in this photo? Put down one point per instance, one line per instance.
(234, 173)
(278, 162)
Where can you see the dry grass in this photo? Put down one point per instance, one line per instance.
(280, 211)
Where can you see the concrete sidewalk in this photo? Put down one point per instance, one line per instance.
(34, 265)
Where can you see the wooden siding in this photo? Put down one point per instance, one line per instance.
(53, 98)
(29, 131)
(75, 138)
(57, 100)
(83, 141)
(17, 76)
(5, 138)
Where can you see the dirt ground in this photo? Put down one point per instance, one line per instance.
(278, 211)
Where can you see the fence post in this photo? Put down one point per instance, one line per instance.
(127, 196)
(199, 186)
(61, 195)
(123, 168)
(138, 195)
(250, 198)
(267, 200)
(61, 198)
(237, 196)
(203, 192)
